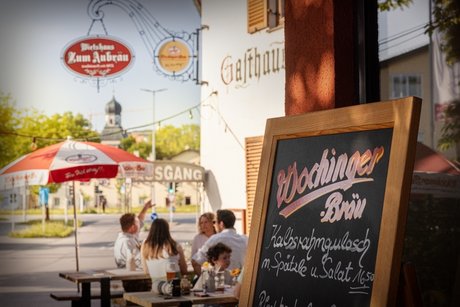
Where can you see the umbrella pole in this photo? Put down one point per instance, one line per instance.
(75, 226)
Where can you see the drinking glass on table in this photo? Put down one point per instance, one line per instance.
(172, 270)
(220, 280)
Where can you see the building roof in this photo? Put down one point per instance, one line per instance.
(405, 53)
(113, 134)
(428, 160)
(113, 107)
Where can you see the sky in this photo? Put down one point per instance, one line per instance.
(34, 34)
(403, 29)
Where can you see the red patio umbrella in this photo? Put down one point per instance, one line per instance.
(72, 161)
(434, 174)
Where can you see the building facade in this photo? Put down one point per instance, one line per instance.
(409, 60)
(242, 80)
(243, 84)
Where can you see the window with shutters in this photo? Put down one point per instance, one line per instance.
(263, 14)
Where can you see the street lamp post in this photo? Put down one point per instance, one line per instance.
(153, 154)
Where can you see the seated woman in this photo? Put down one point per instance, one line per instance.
(160, 249)
(205, 230)
(219, 257)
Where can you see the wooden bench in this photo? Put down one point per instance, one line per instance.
(75, 296)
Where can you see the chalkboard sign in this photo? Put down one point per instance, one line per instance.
(330, 207)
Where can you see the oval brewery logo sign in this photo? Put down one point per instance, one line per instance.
(174, 56)
(81, 158)
(97, 57)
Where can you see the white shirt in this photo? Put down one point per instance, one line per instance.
(238, 243)
(157, 267)
(124, 242)
(198, 241)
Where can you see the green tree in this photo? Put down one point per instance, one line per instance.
(451, 129)
(446, 19)
(191, 137)
(393, 4)
(131, 145)
(22, 132)
(46, 130)
(8, 124)
(171, 140)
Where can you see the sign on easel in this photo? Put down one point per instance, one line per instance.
(330, 207)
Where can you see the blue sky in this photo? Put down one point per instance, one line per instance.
(34, 34)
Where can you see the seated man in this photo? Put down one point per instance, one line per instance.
(128, 242)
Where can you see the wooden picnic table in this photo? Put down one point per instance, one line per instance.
(150, 299)
(103, 277)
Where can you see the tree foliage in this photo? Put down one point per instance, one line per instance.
(393, 4)
(446, 19)
(451, 129)
(46, 130)
(24, 131)
(21, 132)
(8, 124)
(169, 141)
(131, 145)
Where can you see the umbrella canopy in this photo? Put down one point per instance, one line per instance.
(72, 161)
(434, 174)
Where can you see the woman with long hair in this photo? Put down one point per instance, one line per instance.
(206, 228)
(159, 249)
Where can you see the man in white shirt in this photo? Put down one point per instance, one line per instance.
(226, 235)
(128, 239)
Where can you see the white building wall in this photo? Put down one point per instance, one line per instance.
(240, 108)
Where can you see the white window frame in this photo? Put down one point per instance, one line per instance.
(405, 87)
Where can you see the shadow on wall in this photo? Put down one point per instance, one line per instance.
(212, 191)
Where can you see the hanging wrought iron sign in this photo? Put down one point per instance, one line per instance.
(97, 57)
(101, 59)
(174, 57)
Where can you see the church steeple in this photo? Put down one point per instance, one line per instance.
(113, 132)
(113, 113)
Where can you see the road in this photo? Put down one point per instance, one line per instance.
(29, 267)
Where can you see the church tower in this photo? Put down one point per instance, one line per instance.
(113, 132)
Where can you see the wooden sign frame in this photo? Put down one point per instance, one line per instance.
(402, 116)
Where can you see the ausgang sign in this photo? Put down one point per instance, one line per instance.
(97, 57)
(177, 171)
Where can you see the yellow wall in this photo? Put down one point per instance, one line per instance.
(417, 63)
